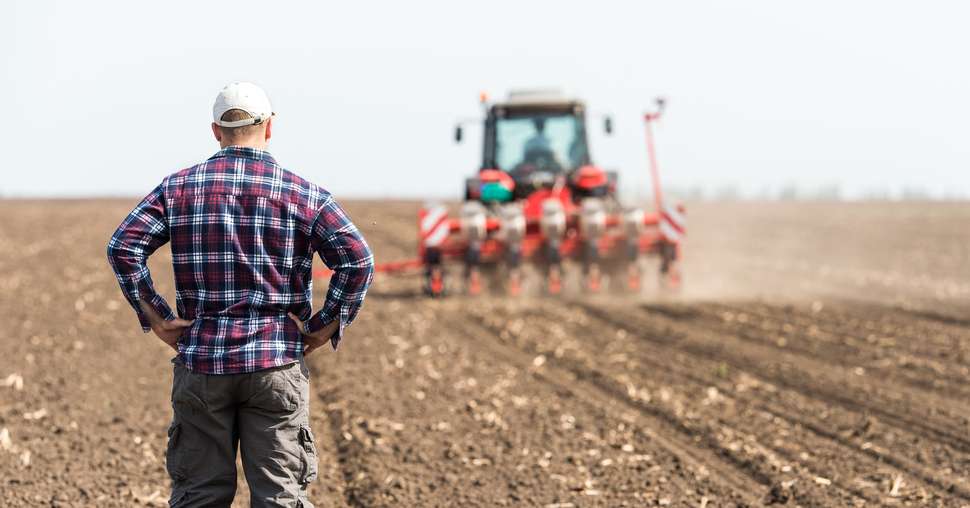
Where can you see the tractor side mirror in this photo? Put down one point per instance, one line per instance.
(458, 134)
(608, 125)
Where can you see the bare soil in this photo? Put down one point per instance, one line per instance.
(817, 356)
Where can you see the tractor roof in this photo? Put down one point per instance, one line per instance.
(538, 97)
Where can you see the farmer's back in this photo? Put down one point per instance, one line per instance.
(243, 233)
(242, 254)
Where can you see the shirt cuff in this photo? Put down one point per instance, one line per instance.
(322, 319)
(157, 303)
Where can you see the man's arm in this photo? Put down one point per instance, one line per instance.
(344, 250)
(168, 331)
(139, 235)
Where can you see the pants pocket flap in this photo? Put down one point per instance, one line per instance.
(308, 455)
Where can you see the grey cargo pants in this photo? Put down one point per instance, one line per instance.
(264, 414)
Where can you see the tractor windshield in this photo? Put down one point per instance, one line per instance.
(542, 142)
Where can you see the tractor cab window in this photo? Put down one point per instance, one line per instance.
(551, 143)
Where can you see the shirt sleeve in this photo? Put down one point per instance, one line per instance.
(139, 235)
(343, 249)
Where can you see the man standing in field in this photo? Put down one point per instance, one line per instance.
(243, 231)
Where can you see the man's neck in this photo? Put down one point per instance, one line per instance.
(245, 144)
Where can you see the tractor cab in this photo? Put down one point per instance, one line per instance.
(531, 134)
(531, 141)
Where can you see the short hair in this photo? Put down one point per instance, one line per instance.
(245, 131)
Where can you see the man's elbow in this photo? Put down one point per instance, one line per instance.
(113, 253)
(366, 257)
(120, 254)
(367, 268)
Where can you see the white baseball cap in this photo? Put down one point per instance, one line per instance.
(246, 97)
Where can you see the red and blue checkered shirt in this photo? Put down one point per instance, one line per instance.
(243, 231)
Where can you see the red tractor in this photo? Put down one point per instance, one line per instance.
(539, 204)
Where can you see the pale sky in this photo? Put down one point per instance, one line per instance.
(106, 98)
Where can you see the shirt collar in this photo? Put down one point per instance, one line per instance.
(244, 152)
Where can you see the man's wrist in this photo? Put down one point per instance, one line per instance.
(312, 325)
(155, 320)
(157, 323)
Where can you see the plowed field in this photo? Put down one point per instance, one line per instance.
(818, 356)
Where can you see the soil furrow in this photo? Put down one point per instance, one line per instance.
(743, 482)
(356, 491)
(765, 430)
(807, 376)
(836, 349)
(799, 416)
(484, 426)
(741, 450)
(875, 328)
(938, 317)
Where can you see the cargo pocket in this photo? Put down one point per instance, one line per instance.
(188, 391)
(173, 453)
(273, 392)
(308, 455)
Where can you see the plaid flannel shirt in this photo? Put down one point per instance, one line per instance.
(243, 231)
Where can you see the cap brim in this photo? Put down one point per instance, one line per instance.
(256, 119)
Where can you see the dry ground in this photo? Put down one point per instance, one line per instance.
(818, 356)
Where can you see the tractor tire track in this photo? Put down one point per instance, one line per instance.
(944, 427)
(869, 328)
(938, 318)
(795, 412)
(767, 430)
(915, 358)
(707, 440)
(835, 457)
(956, 485)
(798, 415)
(767, 329)
(358, 491)
(749, 486)
(475, 393)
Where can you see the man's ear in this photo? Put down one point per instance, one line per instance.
(269, 128)
(217, 132)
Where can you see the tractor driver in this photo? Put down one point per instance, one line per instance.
(538, 143)
(538, 155)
